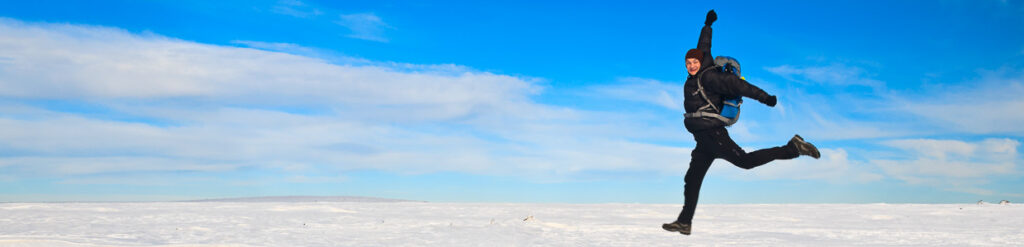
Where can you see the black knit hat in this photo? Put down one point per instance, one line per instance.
(694, 53)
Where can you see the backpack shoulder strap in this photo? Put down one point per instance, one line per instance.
(700, 90)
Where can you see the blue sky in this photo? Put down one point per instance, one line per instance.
(909, 101)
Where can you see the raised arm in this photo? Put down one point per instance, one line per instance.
(704, 42)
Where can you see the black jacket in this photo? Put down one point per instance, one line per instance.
(717, 85)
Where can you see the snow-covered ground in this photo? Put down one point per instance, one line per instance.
(340, 223)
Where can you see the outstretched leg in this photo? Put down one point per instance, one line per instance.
(726, 148)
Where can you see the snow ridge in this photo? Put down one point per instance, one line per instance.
(303, 199)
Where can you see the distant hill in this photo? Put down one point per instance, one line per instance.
(303, 199)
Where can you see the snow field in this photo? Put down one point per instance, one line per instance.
(491, 224)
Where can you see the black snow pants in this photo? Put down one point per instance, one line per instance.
(715, 143)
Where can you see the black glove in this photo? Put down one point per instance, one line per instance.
(770, 101)
(711, 18)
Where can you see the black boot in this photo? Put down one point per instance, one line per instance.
(677, 227)
(803, 147)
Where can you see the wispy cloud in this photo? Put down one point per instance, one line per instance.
(988, 106)
(367, 26)
(279, 47)
(295, 8)
(951, 164)
(663, 94)
(98, 66)
(976, 106)
(835, 74)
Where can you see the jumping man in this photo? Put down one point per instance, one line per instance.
(713, 140)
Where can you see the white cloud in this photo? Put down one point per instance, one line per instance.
(980, 106)
(835, 74)
(104, 63)
(664, 94)
(94, 165)
(289, 48)
(990, 105)
(820, 122)
(169, 105)
(295, 8)
(367, 26)
(225, 139)
(951, 164)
